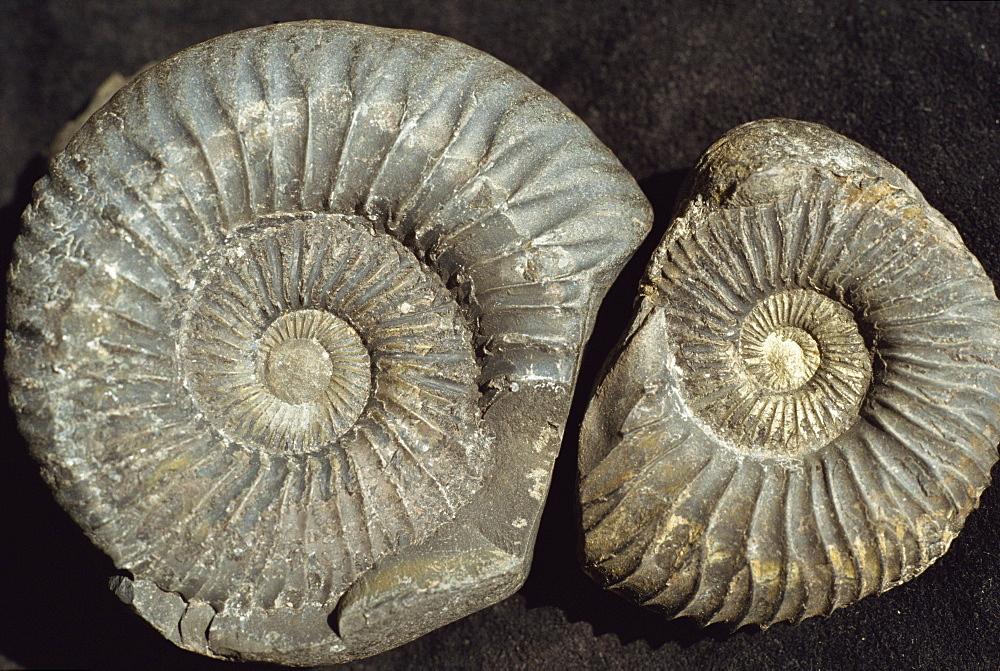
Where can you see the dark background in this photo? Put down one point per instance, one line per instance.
(658, 82)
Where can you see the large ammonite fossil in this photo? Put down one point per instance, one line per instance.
(294, 325)
(805, 408)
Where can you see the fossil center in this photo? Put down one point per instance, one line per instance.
(303, 329)
(806, 368)
(305, 356)
(297, 371)
(786, 359)
(790, 379)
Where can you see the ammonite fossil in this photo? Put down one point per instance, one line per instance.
(294, 325)
(805, 408)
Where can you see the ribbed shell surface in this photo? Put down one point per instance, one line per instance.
(712, 490)
(422, 224)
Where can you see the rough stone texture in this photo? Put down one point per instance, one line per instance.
(919, 83)
(293, 328)
(807, 405)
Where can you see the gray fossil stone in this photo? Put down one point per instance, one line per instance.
(294, 324)
(807, 404)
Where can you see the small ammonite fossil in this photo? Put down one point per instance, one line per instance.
(807, 405)
(294, 324)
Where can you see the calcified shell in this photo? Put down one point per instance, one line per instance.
(805, 409)
(293, 328)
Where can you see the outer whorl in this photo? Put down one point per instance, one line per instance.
(807, 405)
(293, 328)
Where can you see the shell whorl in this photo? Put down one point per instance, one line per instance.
(807, 406)
(790, 378)
(300, 322)
(265, 305)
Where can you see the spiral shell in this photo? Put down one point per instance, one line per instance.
(807, 405)
(294, 312)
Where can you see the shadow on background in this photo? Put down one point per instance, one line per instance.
(556, 578)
